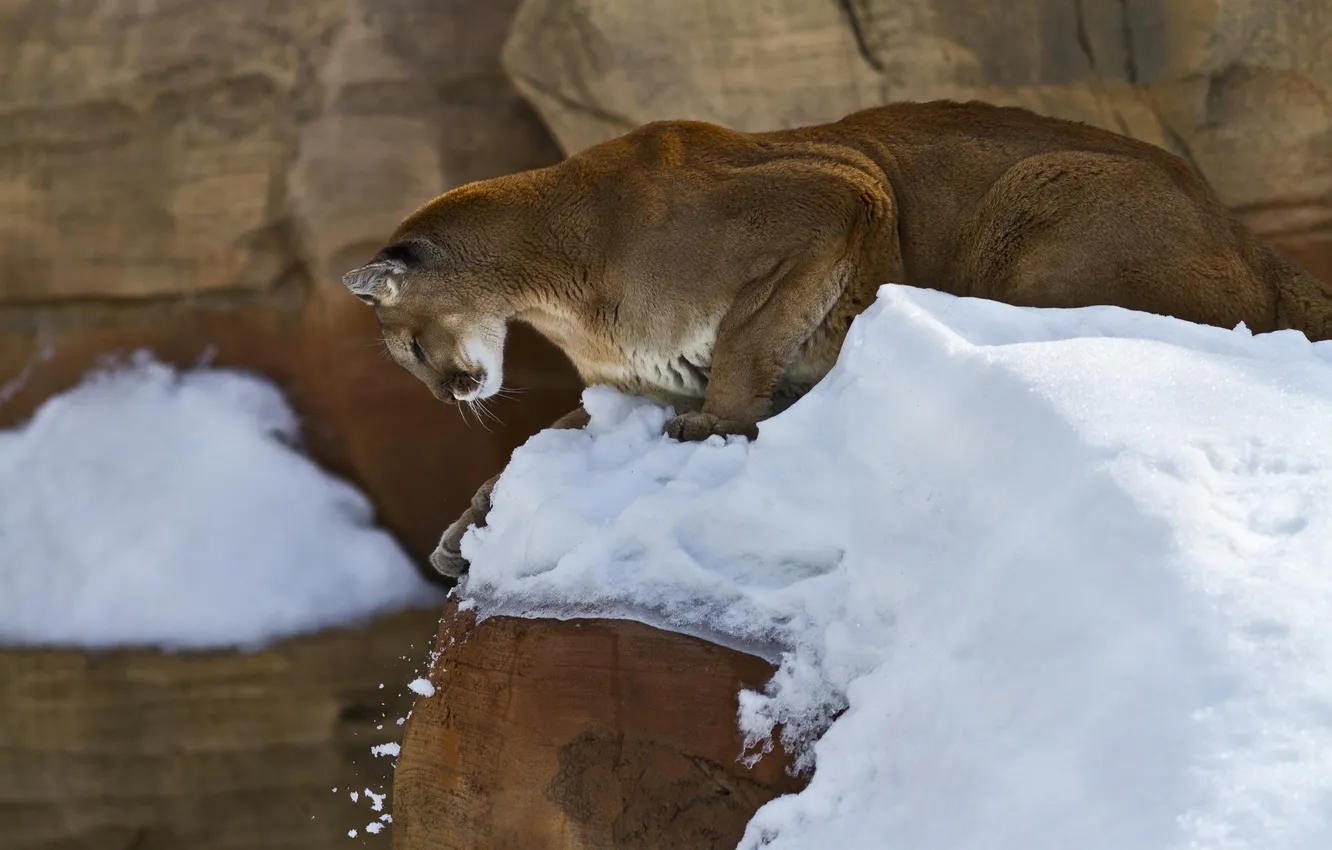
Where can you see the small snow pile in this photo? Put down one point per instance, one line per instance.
(151, 507)
(422, 687)
(1067, 572)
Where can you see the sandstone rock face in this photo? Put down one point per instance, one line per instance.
(1240, 88)
(579, 735)
(203, 750)
(152, 149)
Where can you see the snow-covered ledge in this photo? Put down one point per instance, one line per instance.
(1028, 579)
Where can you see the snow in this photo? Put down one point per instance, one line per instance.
(392, 748)
(1067, 575)
(376, 800)
(381, 818)
(154, 507)
(421, 686)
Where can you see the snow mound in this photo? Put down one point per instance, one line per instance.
(151, 507)
(1034, 578)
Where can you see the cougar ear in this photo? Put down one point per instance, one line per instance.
(378, 280)
(373, 282)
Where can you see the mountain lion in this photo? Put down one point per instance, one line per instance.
(718, 271)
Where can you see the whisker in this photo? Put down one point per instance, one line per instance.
(485, 415)
(478, 406)
(490, 414)
(382, 346)
(462, 411)
(474, 408)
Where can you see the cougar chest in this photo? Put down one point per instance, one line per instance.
(678, 370)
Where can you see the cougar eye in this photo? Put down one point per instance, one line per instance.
(417, 352)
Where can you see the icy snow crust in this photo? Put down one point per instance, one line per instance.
(151, 507)
(1068, 572)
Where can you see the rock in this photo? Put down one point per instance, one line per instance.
(203, 750)
(148, 150)
(1241, 89)
(579, 734)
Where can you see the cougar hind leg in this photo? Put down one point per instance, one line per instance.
(1074, 229)
(1304, 302)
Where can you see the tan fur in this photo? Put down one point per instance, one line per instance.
(718, 270)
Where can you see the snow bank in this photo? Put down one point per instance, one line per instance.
(1069, 573)
(154, 507)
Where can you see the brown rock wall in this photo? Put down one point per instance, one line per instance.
(203, 750)
(1241, 89)
(186, 147)
(579, 734)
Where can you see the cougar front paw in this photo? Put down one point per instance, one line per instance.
(447, 559)
(695, 426)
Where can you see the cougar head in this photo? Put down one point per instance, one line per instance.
(441, 318)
